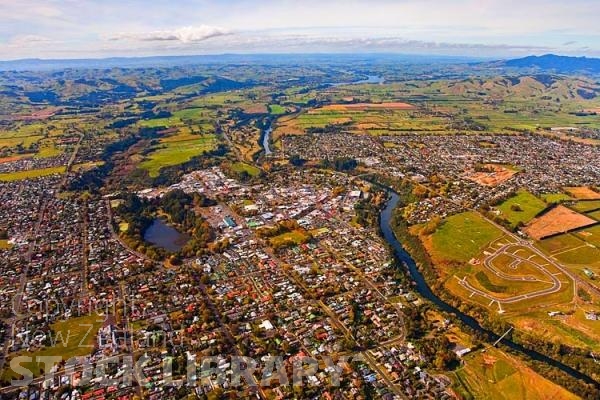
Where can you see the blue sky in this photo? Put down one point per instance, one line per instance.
(489, 28)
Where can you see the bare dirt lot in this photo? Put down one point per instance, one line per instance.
(558, 220)
(497, 175)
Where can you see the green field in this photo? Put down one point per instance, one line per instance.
(552, 198)
(586, 206)
(243, 167)
(159, 122)
(289, 238)
(590, 235)
(521, 208)
(276, 109)
(462, 237)
(34, 173)
(175, 150)
(584, 255)
(73, 337)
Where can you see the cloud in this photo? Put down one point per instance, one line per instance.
(28, 40)
(186, 34)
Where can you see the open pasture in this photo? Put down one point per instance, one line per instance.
(583, 193)
(591, 235)
(554, 198)
(586, 206)
(462, 237)
(521, 208)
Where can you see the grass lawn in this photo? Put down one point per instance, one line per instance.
(462, 237)
(73, 337)
(276, 109)
(34, 173)
(521, 208)
(241, 167)
(174, 152)
(123, 226)
(289, 238)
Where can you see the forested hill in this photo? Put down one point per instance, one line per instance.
(563, 64)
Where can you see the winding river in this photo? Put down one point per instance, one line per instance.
(425, 291)
(266, 140)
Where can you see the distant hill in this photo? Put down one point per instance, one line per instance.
(543, 86)
(258, 59)
(556, 63)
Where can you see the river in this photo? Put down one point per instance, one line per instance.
(163, 235)
(375, 79)
(266, 140)
(425, 291)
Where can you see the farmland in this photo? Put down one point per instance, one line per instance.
(558, 220)
(28, 174)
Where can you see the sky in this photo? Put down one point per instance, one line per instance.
(483, 28)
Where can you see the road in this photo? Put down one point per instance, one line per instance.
(556, 283)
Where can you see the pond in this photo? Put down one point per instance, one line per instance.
(163, 235)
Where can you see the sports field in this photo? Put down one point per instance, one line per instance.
(243, 167)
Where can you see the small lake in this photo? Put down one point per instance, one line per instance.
(163, 235)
